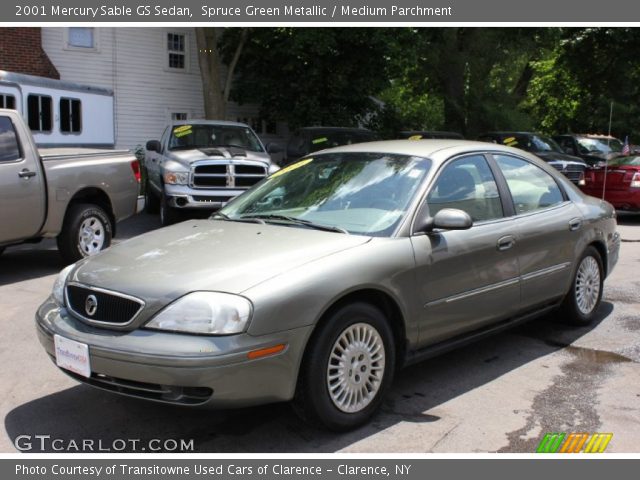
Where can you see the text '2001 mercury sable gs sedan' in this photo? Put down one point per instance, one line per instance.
(319, 282)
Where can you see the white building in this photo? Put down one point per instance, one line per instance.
(153, 73)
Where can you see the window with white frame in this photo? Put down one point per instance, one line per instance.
(176, 116)
(177, 50)
(81, 37)
(7, 101)
(70, 115)
(40, 113)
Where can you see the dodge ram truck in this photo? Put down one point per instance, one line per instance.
(73, 194)
(198, 166)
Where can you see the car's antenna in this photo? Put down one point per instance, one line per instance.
(606, 160)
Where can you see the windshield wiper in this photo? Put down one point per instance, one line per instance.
(297, 221)
(224, 216)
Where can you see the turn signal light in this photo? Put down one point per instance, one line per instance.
(635, 181)
(265, 352)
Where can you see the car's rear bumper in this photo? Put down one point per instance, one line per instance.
(180, 369)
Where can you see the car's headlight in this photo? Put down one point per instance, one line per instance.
(176, 178)
(273, 168)
(58, 286)
(208, 313)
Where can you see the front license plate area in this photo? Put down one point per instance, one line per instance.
(72, 355)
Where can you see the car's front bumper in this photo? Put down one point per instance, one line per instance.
(183, 196)
(192, 370)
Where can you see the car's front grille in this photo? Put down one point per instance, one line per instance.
(572, 172)
(98, 305)
(230, 175)
(150, 391)
(200, 198)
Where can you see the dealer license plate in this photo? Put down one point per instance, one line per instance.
(72, 355)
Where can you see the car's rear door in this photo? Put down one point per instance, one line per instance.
(466, 278)
(548, 227)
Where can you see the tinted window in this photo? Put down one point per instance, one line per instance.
(40, 114)
(9, 148)
(469, 185)
(70, 115)
(8, 101)
(531, 187)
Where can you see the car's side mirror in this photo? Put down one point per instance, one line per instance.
(446, 219)
(273, 148)
(154, 146)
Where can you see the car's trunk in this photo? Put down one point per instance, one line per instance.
(617, 178)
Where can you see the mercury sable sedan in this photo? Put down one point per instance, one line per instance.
(319, 282)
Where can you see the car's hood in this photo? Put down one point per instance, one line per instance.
(560, 158)
(211, 255)
(224, 155)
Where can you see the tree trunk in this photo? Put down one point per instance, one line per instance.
(216, 93)
(451, 73)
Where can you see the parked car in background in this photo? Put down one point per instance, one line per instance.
(619, 182)
(316, 284)
(312, 139)
(593, 149)
(75, 195)
(425, 134)
(199, 165)
(543, 147)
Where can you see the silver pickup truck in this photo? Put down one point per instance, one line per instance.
(200, 165)
(75, 195)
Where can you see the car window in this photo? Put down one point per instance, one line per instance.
(531, 187)
(467, 184)
(9, 148)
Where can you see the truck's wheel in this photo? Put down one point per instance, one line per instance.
(151, 201)
(86, 231)
(582, 301)
(168, 215)
(348, 366)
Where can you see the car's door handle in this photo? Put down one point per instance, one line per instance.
(26, 173)
(506, 242)
(575, 224)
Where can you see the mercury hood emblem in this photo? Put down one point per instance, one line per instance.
(91, 305)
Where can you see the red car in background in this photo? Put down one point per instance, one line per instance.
(622, 185)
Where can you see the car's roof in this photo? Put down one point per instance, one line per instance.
(336, 129)
(209, 122)
(423, 148)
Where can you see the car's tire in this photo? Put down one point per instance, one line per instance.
(86, 230)
(340, 398)
(581, 303)
(168, 214)
(151, 200)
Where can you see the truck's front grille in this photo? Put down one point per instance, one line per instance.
(102, 306)
(230, 175)
(572, 172)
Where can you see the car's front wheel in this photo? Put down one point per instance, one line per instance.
(168, 214)
(582, 301)
(348, 366)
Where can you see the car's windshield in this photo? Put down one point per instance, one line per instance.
(361, 193)
(187, 137)
(541, 143)
(622, 161)
(600, 145)
(330, 139)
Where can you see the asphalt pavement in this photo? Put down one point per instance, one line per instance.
(500, 395)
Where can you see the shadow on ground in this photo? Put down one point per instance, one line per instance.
(84, 413)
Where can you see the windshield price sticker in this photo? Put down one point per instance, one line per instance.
(291, 167)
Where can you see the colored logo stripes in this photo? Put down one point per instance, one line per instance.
(574, 443)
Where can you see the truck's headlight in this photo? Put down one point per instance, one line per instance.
(273, 168)
(208, 313)
(176, 178)
(58, 286)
